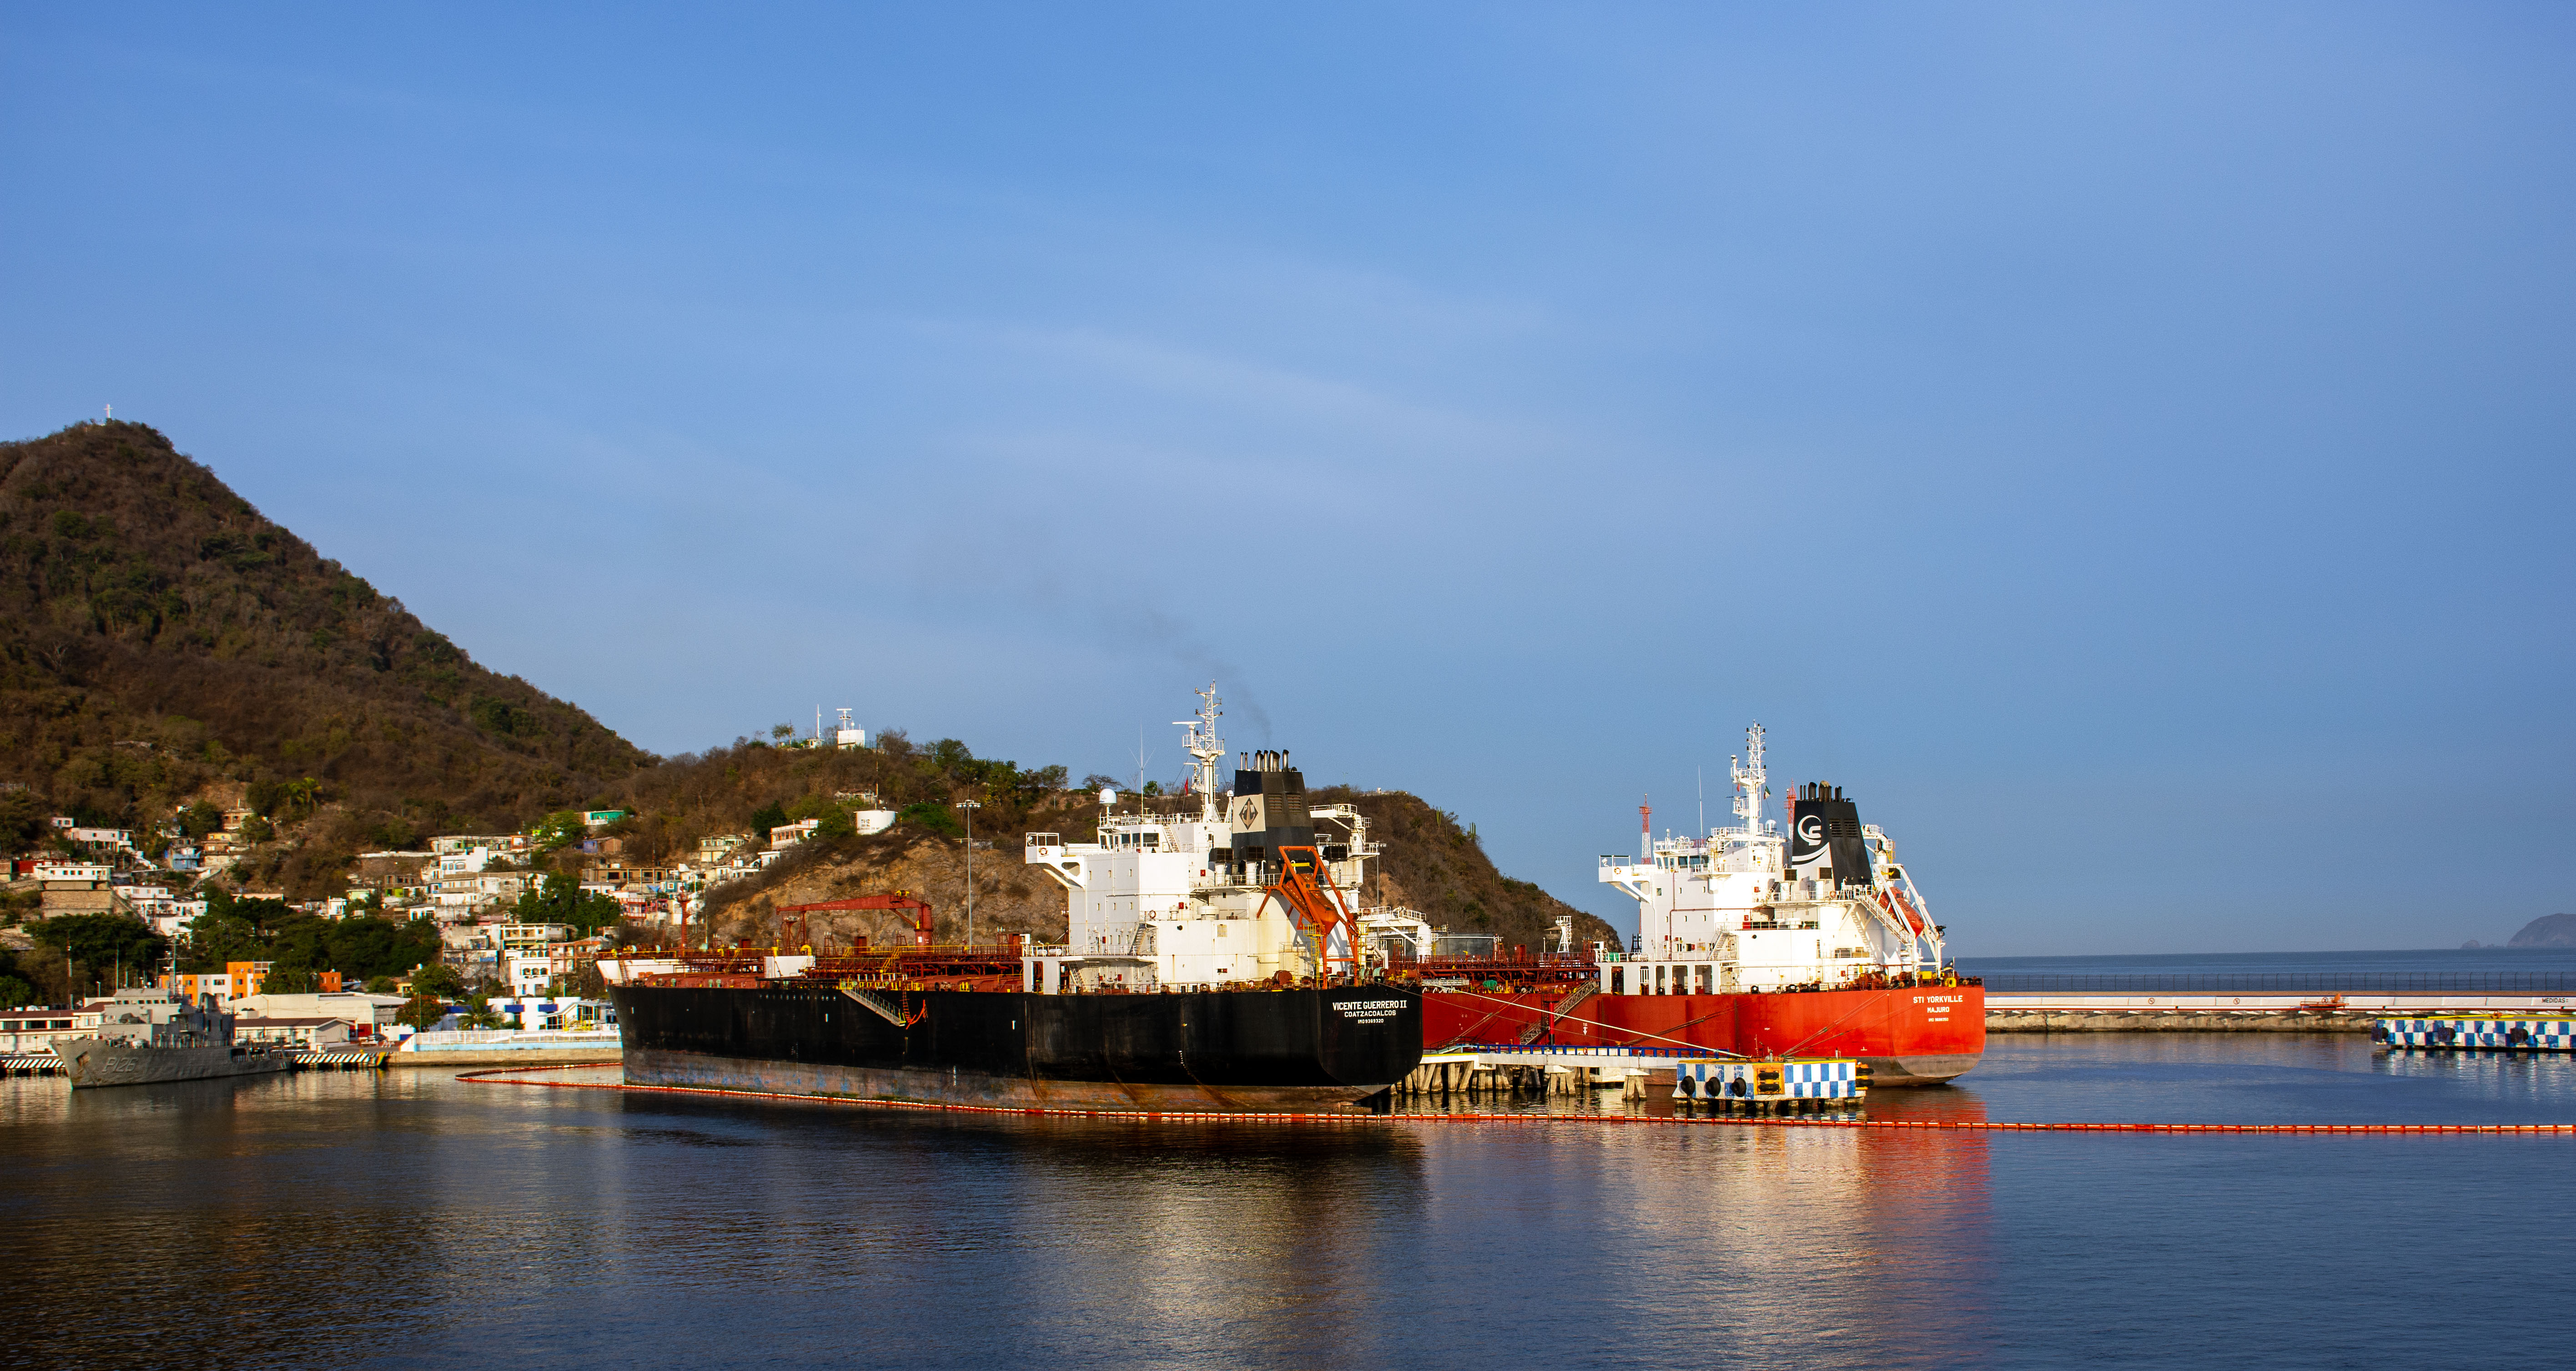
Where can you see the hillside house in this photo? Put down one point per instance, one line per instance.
(367, 1015)
(36, 1029)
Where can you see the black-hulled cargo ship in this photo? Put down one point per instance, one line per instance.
(1221, 1050)
(1211, 963)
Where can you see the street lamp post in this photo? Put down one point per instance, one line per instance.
(970, 806)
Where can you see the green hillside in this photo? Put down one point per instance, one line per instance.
(161, 639)
(162, 643)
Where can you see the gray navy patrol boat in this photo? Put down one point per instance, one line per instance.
(146, 1037)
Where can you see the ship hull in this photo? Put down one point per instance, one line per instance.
(1291, 1050)
(94, 1062)
(1917, 1035)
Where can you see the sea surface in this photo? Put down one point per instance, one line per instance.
(411, 1219)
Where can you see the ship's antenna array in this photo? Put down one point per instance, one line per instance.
(1205, 750)
(1749, 779)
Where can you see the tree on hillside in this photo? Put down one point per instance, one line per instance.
(557, 831)
(421, 1012)
(833, 816)
(100, 943)
(231, 930)
(15, 987)
(559, 899)
(438, 980)
(23, 821)
(358, 947)
(289, 980)
(17, 906)
(303, 945)
(935, 817)
(199, 820)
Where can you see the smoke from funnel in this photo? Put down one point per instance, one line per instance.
(1184, 646)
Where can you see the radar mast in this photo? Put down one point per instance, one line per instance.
(1749, 778)
(1205, 749)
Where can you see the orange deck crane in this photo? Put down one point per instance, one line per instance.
(1305, 889)
(799, 915)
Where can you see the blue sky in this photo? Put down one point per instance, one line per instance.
(2127, 448)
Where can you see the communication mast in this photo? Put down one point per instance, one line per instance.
(1749, 778)
(1205, 751)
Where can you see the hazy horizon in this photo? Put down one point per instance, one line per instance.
(2123, 447)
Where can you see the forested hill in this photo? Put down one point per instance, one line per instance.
(1430, 862)
(163, 643)
(1439, 866)
(161, 639)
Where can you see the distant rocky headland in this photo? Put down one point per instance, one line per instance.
(2549, 930)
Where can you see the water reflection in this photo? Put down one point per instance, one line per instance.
(410, 1220)
(1815, 1243)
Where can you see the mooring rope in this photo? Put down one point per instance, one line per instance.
(507, 1075)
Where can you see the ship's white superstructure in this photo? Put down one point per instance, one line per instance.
(1194, 899)
(1749, 908)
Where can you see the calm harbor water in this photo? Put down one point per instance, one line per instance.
(409, 1219)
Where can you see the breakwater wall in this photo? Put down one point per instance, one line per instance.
(2179, 1021)
(2113, 1012)
(596, 1056)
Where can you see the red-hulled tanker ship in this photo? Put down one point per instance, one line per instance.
(1813, 943)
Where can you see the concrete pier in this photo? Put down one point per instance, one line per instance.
(1493, 1075)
